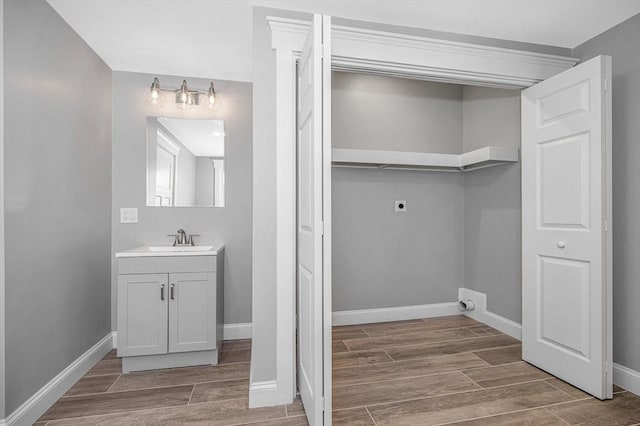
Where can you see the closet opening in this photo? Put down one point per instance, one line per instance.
(426, 205)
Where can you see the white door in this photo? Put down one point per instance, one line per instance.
(312, 335)
(142, 314)
(566, 226)
(192, 312)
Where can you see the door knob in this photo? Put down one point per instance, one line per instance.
(561, 244)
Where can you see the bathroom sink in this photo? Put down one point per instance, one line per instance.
(158, 251)
(179, 248)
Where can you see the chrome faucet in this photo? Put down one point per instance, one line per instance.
(181, 239)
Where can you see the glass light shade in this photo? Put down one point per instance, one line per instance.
(155, 98)
(182, 96)
(210, 99)
(155, 101)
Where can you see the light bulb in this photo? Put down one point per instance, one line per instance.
(155, 98)
(182, 95)
(211, 98)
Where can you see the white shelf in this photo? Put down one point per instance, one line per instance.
(399, 160)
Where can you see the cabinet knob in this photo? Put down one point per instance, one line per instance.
(561, 244)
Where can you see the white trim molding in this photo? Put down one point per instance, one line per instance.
(32, 409)
(264, 394)
(237, 331)
(400, 55)
(285, 227)
(480, 313)
(626, 378)
(401, 313)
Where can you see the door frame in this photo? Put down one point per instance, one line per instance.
(357, 49)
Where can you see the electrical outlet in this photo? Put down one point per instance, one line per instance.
(128, 215)
(401, 205)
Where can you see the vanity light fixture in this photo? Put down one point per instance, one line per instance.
(155, 97)
(211, 97)
(184, 97)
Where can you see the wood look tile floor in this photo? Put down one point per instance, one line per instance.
(207, 395)
(435, 371)
(455, 371)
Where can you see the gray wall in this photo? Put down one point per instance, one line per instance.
(385, 113)
(382, 258)
(230, 225)
(57, 171)
(2, 308)
(621, 42)
(492, 205)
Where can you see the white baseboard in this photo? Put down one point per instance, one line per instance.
(401, 313)
(32, 409)
(237, 331)
(263, 394)
(481, 314)
(626, 378)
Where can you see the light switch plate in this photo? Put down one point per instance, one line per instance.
(128, 215)
(401, 205)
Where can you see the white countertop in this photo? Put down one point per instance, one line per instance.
(165, 251)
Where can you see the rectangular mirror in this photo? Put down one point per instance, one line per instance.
(185, 162)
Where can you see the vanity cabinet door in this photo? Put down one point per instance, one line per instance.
(142, 314)
(192, 312)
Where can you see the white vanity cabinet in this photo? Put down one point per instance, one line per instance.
(170, 308)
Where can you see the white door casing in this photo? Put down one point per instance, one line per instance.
(310, 224)
(566, 209)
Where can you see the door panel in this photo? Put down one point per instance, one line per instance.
(566, 312)
(559, 105)
(564, 170)
(564, 298)
(142, 314)
(192, 312)
(311, 307)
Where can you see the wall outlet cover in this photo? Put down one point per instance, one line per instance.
(129, 215)
(401, 205)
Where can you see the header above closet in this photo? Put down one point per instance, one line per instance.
(398, 160)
